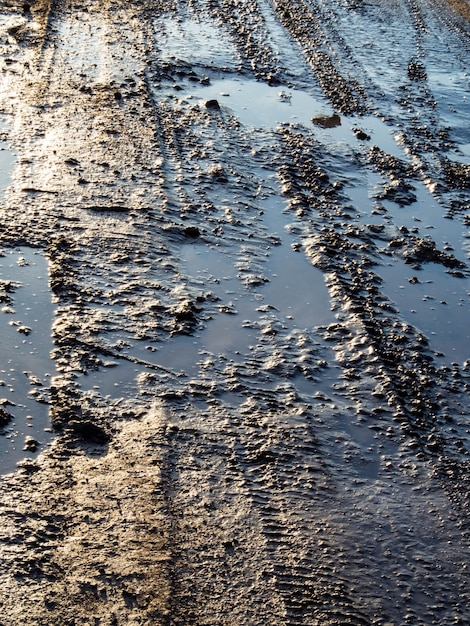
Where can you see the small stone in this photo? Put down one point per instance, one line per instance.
(361, 135)
(327, 121)
(213, 105)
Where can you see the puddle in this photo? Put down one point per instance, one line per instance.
(25, 341)
(259, 105)
(296, 288)
(438, 306)
(296, 291)
(425, 214)
(439, 303)
(225, 333)
(429, 217)
(7, 161)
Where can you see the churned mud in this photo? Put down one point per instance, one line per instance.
(234, 285)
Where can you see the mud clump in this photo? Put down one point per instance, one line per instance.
(327, 121)
(185, 317)
(400, 192)
(6, 288)
(389, 164)
(30, 444)
(417, 71)
(419, 250)
(192, 232)
(457, 174)
(5, 417)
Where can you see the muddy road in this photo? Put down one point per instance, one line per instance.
(235, 298)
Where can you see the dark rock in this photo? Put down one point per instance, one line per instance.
(186, 312)
(327, 121)
(5, 417)
(361, 135)
(213, 105)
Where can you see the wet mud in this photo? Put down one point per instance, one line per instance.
(248, 402)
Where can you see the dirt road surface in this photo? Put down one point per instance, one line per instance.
(255, 218)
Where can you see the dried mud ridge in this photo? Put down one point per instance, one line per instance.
(321, 475)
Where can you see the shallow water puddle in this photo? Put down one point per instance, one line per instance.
(262, 106)
(438, 305)
(429, 217)
(25, 340)
(225, 332)
(7, 161)
(430, 299)
(295, 290)
(258, 104)
(425, 216)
